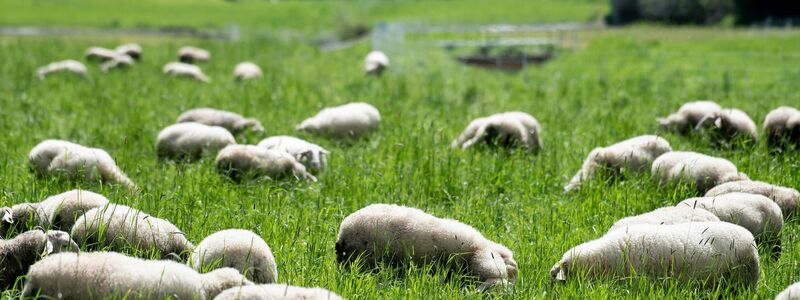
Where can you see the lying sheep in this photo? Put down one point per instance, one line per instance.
(383, 232)
(276, 291)
(692, 167)
(348, 120)
(57, 212)
(247, 70)
(785, 197)
(705, 251)
(312, 156)
(179, 69)
(240, 249)
(667, 216)
(729, 124)
(189, 54)
(70, 66)
(233, 122)
(237, 160)
(121, 60)
(190, 140)
(131, 49)
(102, 275)
(70, 160)
(375, 63)
(18, 254)
(782, 127)
(504, 129)
(120, 227)
(790, 293)
(688, 116)
(100, 54)
(635, 154)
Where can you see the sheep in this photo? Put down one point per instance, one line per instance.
(119, 227)
(636, 154)
(189, 54)
(277, 291)
(236, 160)
(190, 140)
(729, 124)
(375, 63)
(785, 197)
(71, 66)
(102, 275)
(386, 232)
(240, 249)
(100, 54)
(247, 70)
(667, 216)
(688, 116)
(312, 156)
(504, 129)
(131, 49)
(18, 254)
(703, 170)
(790, 293)
(74, 161)
(57, 212)
(233, 122)
(180, 69)
(782, 127)
(348, 120)
(704, 251)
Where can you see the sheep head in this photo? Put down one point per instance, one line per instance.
(58, 241)
(221, 279)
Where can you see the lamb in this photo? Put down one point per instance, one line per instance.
(180, 69)
(74, 161)
(121, 60)
(100, 54)
(312, 156)
(375, 63)
(190, 140)
(348, 120)
(120, 227)
(782, 127)
(785, 197)
(246, 71)
(131, 49)
(18, 254)
(692, 167)
(667, 216)
(504, 129)
(704, 251)
(233, 122)
(636, 154)
(57, 212)
(189, 54)
(688, 116)
(385, 232)
(71, 66)
(102, 275)
(730, 124)
(277, 291)
(240, 249)
(237, 160)
(790, 293)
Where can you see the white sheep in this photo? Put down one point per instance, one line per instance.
(233, 122)
(785, 197)
(191, 140)
(121, 60)
(57, 211)
(131, 49)
(688, 116)
(782, 125)
(100, 54)
(120, 227)
(636, 154)
(692, 167)
(311, 155)
(18, 254)
(729, 124)
(190, 54)
(240, 249)
(790, 293)
(702, 251)
(102, 275)
(376, 62)
(71, 66)
(348, 120)
(275, 292)
(238, 160)
(667, 216)
(392, 233)
(504, 129)
(247, 70)
(63, 158)
(180, 69)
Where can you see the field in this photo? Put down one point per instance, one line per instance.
(610, 89)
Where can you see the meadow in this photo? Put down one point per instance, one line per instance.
(611, 88)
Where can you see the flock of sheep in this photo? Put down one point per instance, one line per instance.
(708, 239)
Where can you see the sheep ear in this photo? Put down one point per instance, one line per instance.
(48, 247)
(8, 217)
(718, 122)
(561, 276)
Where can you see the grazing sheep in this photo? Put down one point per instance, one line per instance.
(785, 197)
(375, 63)
(384, 232)
(57, 212)
(507, 129)
(314, 157)
(667, 216)
(72, 66)
(348, 120)
(247, 70)
(790, 293)
(120, 227)
(190, 140)
(688, 116)
(100, 54)
(703, 170)
(179, 69)
(233, 122)
(236, 160)
(275, 292)
(729, 124)
(62, 158)
(18, 254)
(240, 249)
(635, 154)
(121, 60)
(131, 49)
(782, 126)
(189, 54)
(703, 251)
(102, 275)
